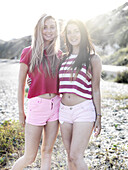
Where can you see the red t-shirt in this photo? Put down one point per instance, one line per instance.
(41, 83)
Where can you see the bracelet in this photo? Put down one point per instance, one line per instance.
(99, 114)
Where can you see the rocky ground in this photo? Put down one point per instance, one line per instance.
(108, 151)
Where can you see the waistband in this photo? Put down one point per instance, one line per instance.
(86, 102)
(40, 100)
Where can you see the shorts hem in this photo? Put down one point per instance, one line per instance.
(34, 124)
(61, 122)
(86, 121)
(51, 120)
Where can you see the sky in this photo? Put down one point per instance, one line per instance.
(19, 17)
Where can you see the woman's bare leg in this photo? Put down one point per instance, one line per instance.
(66, 133)
(32, 140)
(80, 139)
(50, 134)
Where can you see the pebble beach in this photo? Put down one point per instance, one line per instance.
(107, 152)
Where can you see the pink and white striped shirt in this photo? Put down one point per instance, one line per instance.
(80, 86)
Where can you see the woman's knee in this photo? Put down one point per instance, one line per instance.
(29, 158)
(74, 157)
(46, 151)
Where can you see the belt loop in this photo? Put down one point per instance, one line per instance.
(51, 105)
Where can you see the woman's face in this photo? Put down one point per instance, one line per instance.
(49, 30)
(73, 34)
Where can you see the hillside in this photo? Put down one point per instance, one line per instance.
(12, 49)
(110, 30)
(109, 33)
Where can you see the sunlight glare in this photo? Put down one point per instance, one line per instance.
(18, 18)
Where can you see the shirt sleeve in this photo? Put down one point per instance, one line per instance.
(25, 56)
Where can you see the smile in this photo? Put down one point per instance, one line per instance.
(74, 40)
(48, 35)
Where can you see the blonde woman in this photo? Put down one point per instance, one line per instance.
(40, 63)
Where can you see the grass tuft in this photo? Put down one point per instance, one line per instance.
(11, 140)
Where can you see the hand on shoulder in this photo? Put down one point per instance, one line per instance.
(61, 55)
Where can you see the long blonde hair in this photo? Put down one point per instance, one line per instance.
(38, 56)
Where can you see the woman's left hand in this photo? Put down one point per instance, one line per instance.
(29, 81)
(97, 127)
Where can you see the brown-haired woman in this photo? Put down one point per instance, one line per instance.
(80, 107)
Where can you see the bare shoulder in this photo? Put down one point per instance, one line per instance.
(96, 63)
(95, 59)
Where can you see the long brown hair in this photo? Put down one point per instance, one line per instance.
(38, 56)
(86, 48)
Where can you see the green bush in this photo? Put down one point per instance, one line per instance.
(11, 140)
(123, 62)
(103, 75)
(122, 77)
(119, 58)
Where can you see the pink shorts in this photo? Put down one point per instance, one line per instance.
(83, 112)
(40, 110)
